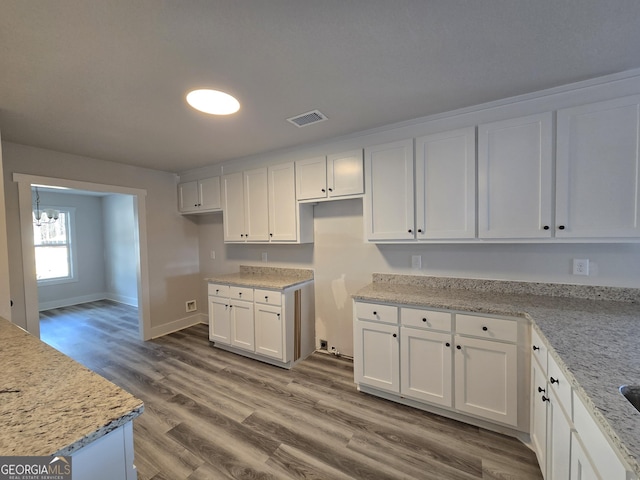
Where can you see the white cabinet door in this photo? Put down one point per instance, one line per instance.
(188, 197)
(581, 466)
(376, 359)
(425, 365)
(256, 206)
(269, 327)
(538, 427)
(598, 170)
(389, 201)
(242, 326)
(558, 439)
(446, 185)
(345, 174)
(486, 379)
(209, 193)
(514, 178)
(233, 205)
(311, 178)
(283, 225)
(219, 321)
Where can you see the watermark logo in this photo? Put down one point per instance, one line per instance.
(35, 468)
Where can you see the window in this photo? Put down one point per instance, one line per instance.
(53, 246)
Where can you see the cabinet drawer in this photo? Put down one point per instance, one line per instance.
(376, 312)
(559, 384)
(487, 327)
(217, 290)
(413, 317)
(241, 293)
(539, 349)
(269, 297)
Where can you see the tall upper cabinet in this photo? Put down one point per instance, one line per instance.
(598, 171)
(446, 185)
(514, 177)
(388, 206)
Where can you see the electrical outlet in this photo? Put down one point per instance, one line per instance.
(323, 344)
(264, 257)
(416, 262)
(580, 266)
(213, 254)
(191, 306)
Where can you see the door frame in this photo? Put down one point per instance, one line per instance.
(25, 204)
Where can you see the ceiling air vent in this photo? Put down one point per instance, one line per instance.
(308, 118)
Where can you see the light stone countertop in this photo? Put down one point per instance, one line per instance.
(49, 403)
(274, 278)
(594, 341)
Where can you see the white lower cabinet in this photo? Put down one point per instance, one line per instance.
(418, 355)
(565, 437)
(274, 326)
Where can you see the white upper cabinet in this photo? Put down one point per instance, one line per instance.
(199, 196)
(514, 178)
(598, 174)
(233, 204)
(446, 185)
(338, 175)
(260, 206)
(282, 203)
(389, 202)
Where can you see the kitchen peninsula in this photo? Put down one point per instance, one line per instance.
(53, 406)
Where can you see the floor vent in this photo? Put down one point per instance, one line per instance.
(308, 118)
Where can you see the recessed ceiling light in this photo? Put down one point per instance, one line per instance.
(213, 102)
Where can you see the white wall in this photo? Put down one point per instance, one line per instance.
(88, 245)
(172, 244)
(120, 249)
(343, 261)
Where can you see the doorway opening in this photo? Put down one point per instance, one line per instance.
(136, 281)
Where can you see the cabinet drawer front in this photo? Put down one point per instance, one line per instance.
(241, 293)
(217, 290)
(559, 384)
(487, 327)
(269, 297)
(539, 349)
(377, 312)
(413, 317)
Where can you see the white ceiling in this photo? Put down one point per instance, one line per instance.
(107, 79)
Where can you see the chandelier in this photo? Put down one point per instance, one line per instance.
(48, 215)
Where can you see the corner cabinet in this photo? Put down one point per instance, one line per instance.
(273, 326)
(200, 196)
(565, 437)
(333, 177)
(468, 367)
(260, 207)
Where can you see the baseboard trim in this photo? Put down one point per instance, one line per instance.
(67, 302)
(131, 301)
(177, 325)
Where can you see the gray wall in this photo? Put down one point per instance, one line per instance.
(88, 245)
(120, 249)
(172, 244)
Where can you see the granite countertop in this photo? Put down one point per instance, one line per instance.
(274, 278)
(49, 403)
(593, 333)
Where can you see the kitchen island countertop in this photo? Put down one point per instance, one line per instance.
(593, 333)
(49, 403)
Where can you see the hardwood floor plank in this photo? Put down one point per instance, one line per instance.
(211, 414)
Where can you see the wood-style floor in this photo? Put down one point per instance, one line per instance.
(210, 414)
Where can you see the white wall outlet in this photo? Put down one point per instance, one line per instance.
(213, 254)
(191, 306)
(264, 257)
(416, 262)
(580, 266)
